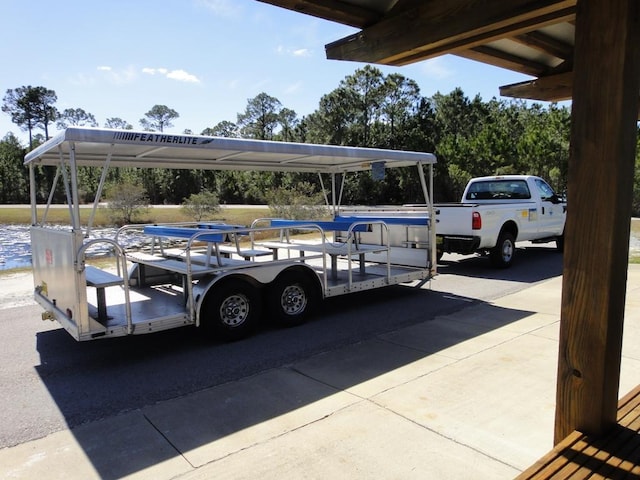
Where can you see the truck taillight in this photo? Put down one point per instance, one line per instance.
(476, 221)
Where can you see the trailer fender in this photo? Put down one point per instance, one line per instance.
(205, 286)
(260, 275)
(231, 307)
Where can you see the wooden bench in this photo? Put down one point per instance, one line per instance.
(101, 279)
(615, 454)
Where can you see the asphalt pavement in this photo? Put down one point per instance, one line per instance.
(466, 394)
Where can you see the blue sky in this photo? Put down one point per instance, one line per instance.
(203, 58)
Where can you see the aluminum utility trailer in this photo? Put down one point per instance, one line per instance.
(222, 278)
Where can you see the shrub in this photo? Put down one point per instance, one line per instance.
(125, 202)
(201, 206)
(296, 203)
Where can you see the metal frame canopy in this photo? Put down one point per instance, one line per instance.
(109, 148)
(129, 148)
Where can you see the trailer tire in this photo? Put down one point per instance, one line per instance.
(292, 298)
(231, 310)
(502, 254)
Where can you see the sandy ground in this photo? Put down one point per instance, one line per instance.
(16, 289)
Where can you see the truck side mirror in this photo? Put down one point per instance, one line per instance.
(555, 199)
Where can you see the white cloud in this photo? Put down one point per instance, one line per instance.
(294, 52)
(260, 84)
(182, 76)
(293, 88)
(224, 8)
(436, 68)
(179, 75)
(302, 52)
(82, 80)
(118, 77)
(229, 83)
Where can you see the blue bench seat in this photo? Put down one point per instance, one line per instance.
(183, 232)
(327, 225)
(389, 220)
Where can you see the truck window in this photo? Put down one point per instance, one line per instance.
(546, 192)
(498, 190)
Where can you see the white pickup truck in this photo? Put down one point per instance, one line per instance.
(496, 212)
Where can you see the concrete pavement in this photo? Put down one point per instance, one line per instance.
(467, 395)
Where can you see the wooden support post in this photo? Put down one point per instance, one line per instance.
(601, 165)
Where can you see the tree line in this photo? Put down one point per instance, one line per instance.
(469, 136)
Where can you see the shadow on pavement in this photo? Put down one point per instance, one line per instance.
(531, 264)
(196, 392)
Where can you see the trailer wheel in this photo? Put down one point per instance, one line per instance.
(291, 298)
(231, 310)
(501, 255)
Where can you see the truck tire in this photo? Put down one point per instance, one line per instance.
(560, 243)
(292, 298)
(231, 310)
(502, 254)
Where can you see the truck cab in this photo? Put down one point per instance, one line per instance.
(497, 211)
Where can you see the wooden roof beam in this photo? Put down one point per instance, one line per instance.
(502, 59)
(546, 44)
(434, 28)
(463, 47)
(333, 10)
(554, 88)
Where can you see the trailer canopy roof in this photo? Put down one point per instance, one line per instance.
(129, 148)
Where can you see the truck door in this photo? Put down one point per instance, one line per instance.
(551, 218)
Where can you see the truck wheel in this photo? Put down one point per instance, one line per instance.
(231, 310)
(291, 298)
(560, 243)
(501, 255)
